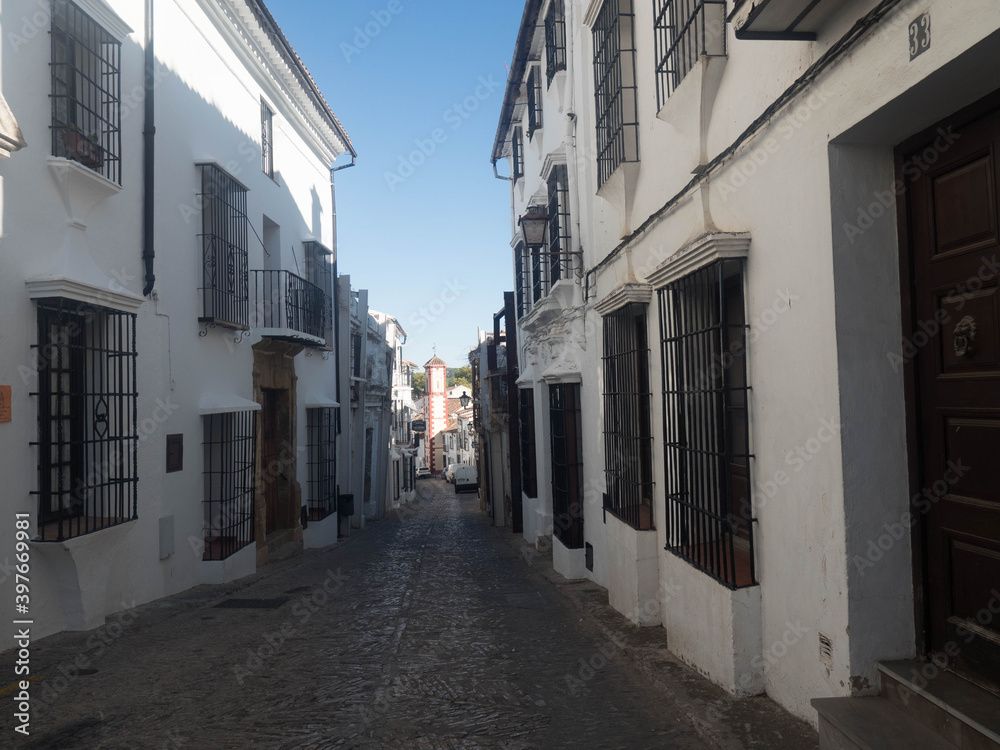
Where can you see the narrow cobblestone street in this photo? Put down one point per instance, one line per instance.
(426, 631)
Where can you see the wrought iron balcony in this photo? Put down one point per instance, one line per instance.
(290, 308)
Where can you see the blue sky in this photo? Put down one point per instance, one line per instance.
(423, 224)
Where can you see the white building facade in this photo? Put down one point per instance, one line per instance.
(758, 335)
(169, 298)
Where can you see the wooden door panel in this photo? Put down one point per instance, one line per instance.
(978, 351)
(965, 206)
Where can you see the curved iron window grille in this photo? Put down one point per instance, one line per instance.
(87, 419)
(517, 152)
(615, 88)
(225, 283)
(555, 40)
(684, 30)
(321, 426)
(86, 91)
(534, 86)
(628, 440)
(560, 262)
(567, 464)
(230, 449)
(709, 514)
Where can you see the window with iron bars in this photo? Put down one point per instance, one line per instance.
(266, 139)
(356, 355)
(321, 428)
(529, 475)
(628, 464)
(87, 421)
(555, 40)
(684, 30)
(705, 425)
(539, 273)
(521, 286)
(225, 276)
(319, 272)
(86, 91)
(517, 152)
(615, 88)
(534, 86)
(560, 262)
(567, 464)
(230, 449)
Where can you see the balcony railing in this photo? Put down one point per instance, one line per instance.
(292, 307)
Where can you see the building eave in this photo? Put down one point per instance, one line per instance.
(251, 31)
(522, 48)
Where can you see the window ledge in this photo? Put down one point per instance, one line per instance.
(619, 191)
(83, 565)
(80, 187)
(689, 107)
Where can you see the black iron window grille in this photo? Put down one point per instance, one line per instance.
(86, 91)
(628, 441)
(517, 150)
(230, 448)
(529, 474)
(560, 261)
(705, 424)
(356, 355)
(288, 302)
(520, 281)
(321, 426)
(615, 88)
(567, 464)
(539, 273)
(87, 421)
(685, 30)
(225, 283)
(266, 139)
(555, 40)
(534, 86)
(319, 272)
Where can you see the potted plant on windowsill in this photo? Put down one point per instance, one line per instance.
(83, 147)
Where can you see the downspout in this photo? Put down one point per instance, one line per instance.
(148, 155)
(336, 283)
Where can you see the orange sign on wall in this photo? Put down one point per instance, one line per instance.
(5, 403)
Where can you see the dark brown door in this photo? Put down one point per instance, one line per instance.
(954, 319)
(270, 467)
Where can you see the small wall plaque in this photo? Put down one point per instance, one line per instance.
(175, 453)
(920, 36)
(5, 414)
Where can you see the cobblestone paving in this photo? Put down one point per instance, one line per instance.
(424, 632)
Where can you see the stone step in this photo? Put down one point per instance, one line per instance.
(871, 724)
(953, 708)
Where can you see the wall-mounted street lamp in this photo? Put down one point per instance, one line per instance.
(465, 399)
(533, 225)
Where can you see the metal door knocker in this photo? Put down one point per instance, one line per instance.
(965, 336)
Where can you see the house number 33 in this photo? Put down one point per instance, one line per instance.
(920, 36)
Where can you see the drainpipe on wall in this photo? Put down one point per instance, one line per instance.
(336, 284)
(148, 155)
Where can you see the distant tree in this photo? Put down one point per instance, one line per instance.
(460, 376)
(419, 384)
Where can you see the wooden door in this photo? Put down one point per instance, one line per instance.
(953, 340)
